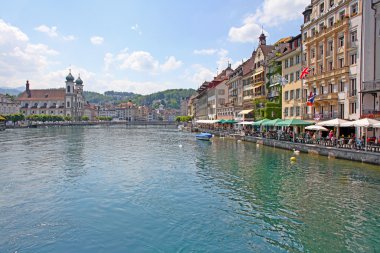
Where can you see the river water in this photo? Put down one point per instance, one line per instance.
(114, 189)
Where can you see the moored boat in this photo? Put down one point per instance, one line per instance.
(203, 136)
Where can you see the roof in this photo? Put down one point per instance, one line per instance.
(266, 48)
(248, 65)
(43, 94)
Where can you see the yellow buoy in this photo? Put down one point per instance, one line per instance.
(293, 159)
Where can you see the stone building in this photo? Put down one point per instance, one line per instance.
(7, 106)
(67, 101)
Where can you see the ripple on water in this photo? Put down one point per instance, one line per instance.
(96, 189)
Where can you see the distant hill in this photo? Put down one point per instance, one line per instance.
(169, 98)
(11, 91)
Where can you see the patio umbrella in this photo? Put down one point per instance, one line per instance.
(294, 122)
(245, 123)
(272, 122)
(258, 123)
(377, 125)
(222, 121)
(333, 122)
(316, 128)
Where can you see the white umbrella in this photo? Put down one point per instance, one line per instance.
(316, 128)
(377, 125)
(332, 123)
(245, 123)
(366, 122)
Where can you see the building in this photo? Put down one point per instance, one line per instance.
(183, 106)
(126, 111)
(7, 106)
(67, 101)
(370, 60)
(331, 49)
(293, 102)
(90, 111)
(259, 78)
(201, 111)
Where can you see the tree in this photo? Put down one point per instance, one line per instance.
(85, 118)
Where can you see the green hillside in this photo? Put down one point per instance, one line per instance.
(169, 98)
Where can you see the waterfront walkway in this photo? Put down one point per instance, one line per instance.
(338, 149)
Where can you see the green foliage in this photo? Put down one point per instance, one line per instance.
(183, 118)
(68, 118)
(45, 117)
(85, 118)
(15, 117)
(104, 118)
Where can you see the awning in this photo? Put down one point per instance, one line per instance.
(245, 111)
(206, 121)
(294, 122)
(258, 123)
(272, 122)
(2, 118)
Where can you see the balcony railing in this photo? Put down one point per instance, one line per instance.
(368, 113)
(371, 86)
(321, 116)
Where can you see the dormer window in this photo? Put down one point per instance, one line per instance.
(331, 3)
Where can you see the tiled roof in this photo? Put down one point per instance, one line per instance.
(45, 94)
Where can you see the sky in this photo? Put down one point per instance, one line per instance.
(140, 46)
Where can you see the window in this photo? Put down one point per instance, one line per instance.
(286, 95)
(341, 14)
(322, 90)
(353, 59)
(297, 59)
(321, 50)
(353, 86)
(286, 63)
(320, 68)
(68, 103)
(287, 77)
(331, 45)
(354, 36)
(341, 86)
(331, 3)
(353, 108)
(297, 111)
(354, 9)
(341, 62)
(291, 94)
(304, 35)
(341, 41)
(291, 62)
(286, 110)
(331, 21)
(291, 78)
(297, 75)
(68, 89)
(321, 8)
(321, 26)
(298, 93)
(330, 88)
(291, 111)
(312, 53)
(330, 65)
(313, 31)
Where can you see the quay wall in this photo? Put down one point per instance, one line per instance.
(331, 152)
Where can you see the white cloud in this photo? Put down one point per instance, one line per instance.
(11, 34)
(197, 74)
(136, 28)
(270, 13)
(140, 61)
(19, 58)
(50, 31)
(209, 51)
(170, 64)
(97, 40)
(108, 60)
(69, 37)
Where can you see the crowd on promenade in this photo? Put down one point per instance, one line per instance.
(328, 137)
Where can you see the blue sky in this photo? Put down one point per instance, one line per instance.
(140, 46)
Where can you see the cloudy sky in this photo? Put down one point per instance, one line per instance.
(141, 46)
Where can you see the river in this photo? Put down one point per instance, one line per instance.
(117, 189)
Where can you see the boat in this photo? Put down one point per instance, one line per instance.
(203, 136)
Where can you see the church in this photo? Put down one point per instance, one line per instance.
(67, 101)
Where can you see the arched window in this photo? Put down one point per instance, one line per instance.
(68, 89)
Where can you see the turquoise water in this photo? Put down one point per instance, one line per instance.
(111, 189)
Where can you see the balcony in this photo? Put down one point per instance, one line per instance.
(273, 94)
(326, 97)
(371, 86)
(373, 114)
(321, 116)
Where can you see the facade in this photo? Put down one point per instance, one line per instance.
(293, 102)
(7, 106)
(370, 60)
(183, 106)
(201, 110)
(259, 77)
(332, 52)
(235, 90)
(67, 101)
(90, 111)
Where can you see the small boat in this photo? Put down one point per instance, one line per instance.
(203, 136)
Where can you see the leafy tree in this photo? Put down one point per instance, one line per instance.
(85, 118)
(68, 118)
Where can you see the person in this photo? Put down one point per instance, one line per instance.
(331, 134)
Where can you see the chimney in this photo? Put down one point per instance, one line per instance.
(27, 89)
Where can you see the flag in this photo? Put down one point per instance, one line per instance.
(283, 81)
(305, 72)
(310, 99)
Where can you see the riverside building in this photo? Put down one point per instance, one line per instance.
(67, 101)
(331, 49)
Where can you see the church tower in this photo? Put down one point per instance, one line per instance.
(69, 97)
(262, 39)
